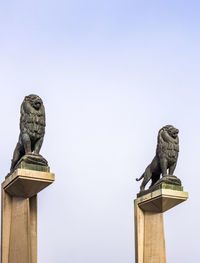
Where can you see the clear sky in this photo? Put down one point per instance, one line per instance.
(111, 74)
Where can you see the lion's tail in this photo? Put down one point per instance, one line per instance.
(138, 179)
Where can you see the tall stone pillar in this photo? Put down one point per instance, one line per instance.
(19, 214)
(149, 227)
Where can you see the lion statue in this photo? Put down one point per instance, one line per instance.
(32, 129)
(166, 157)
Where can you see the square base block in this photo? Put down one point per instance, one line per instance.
(27, 183)
(161, 200)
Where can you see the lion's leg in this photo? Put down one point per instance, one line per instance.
(172, 168)
(163, 165)
(26, 142)
(38, 145)
(154, 178)
(142, 186)
(18, 153)
(147, 177)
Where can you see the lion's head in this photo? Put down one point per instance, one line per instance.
(34, 100)
(171, 130)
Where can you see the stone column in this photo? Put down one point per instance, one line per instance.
(19, 214)
(149, 227)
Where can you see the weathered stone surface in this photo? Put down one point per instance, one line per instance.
(36, 159)
(171, 179)
(34, 162)
(163, 185)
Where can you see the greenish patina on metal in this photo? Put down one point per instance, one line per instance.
(171, 186)
(165, 160)
(161, 186)
(32, 130)
(35, 167)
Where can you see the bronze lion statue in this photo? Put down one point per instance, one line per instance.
(32, 129)
(165, 159)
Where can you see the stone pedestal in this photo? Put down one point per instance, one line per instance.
(19, 215)
(149, 227)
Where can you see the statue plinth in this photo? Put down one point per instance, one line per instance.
(166, 182)
(149, 227)
(19, 214)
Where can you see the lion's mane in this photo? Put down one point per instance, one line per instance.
(32, 121)
(168, 146)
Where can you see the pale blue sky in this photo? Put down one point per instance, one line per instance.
(111, 74)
